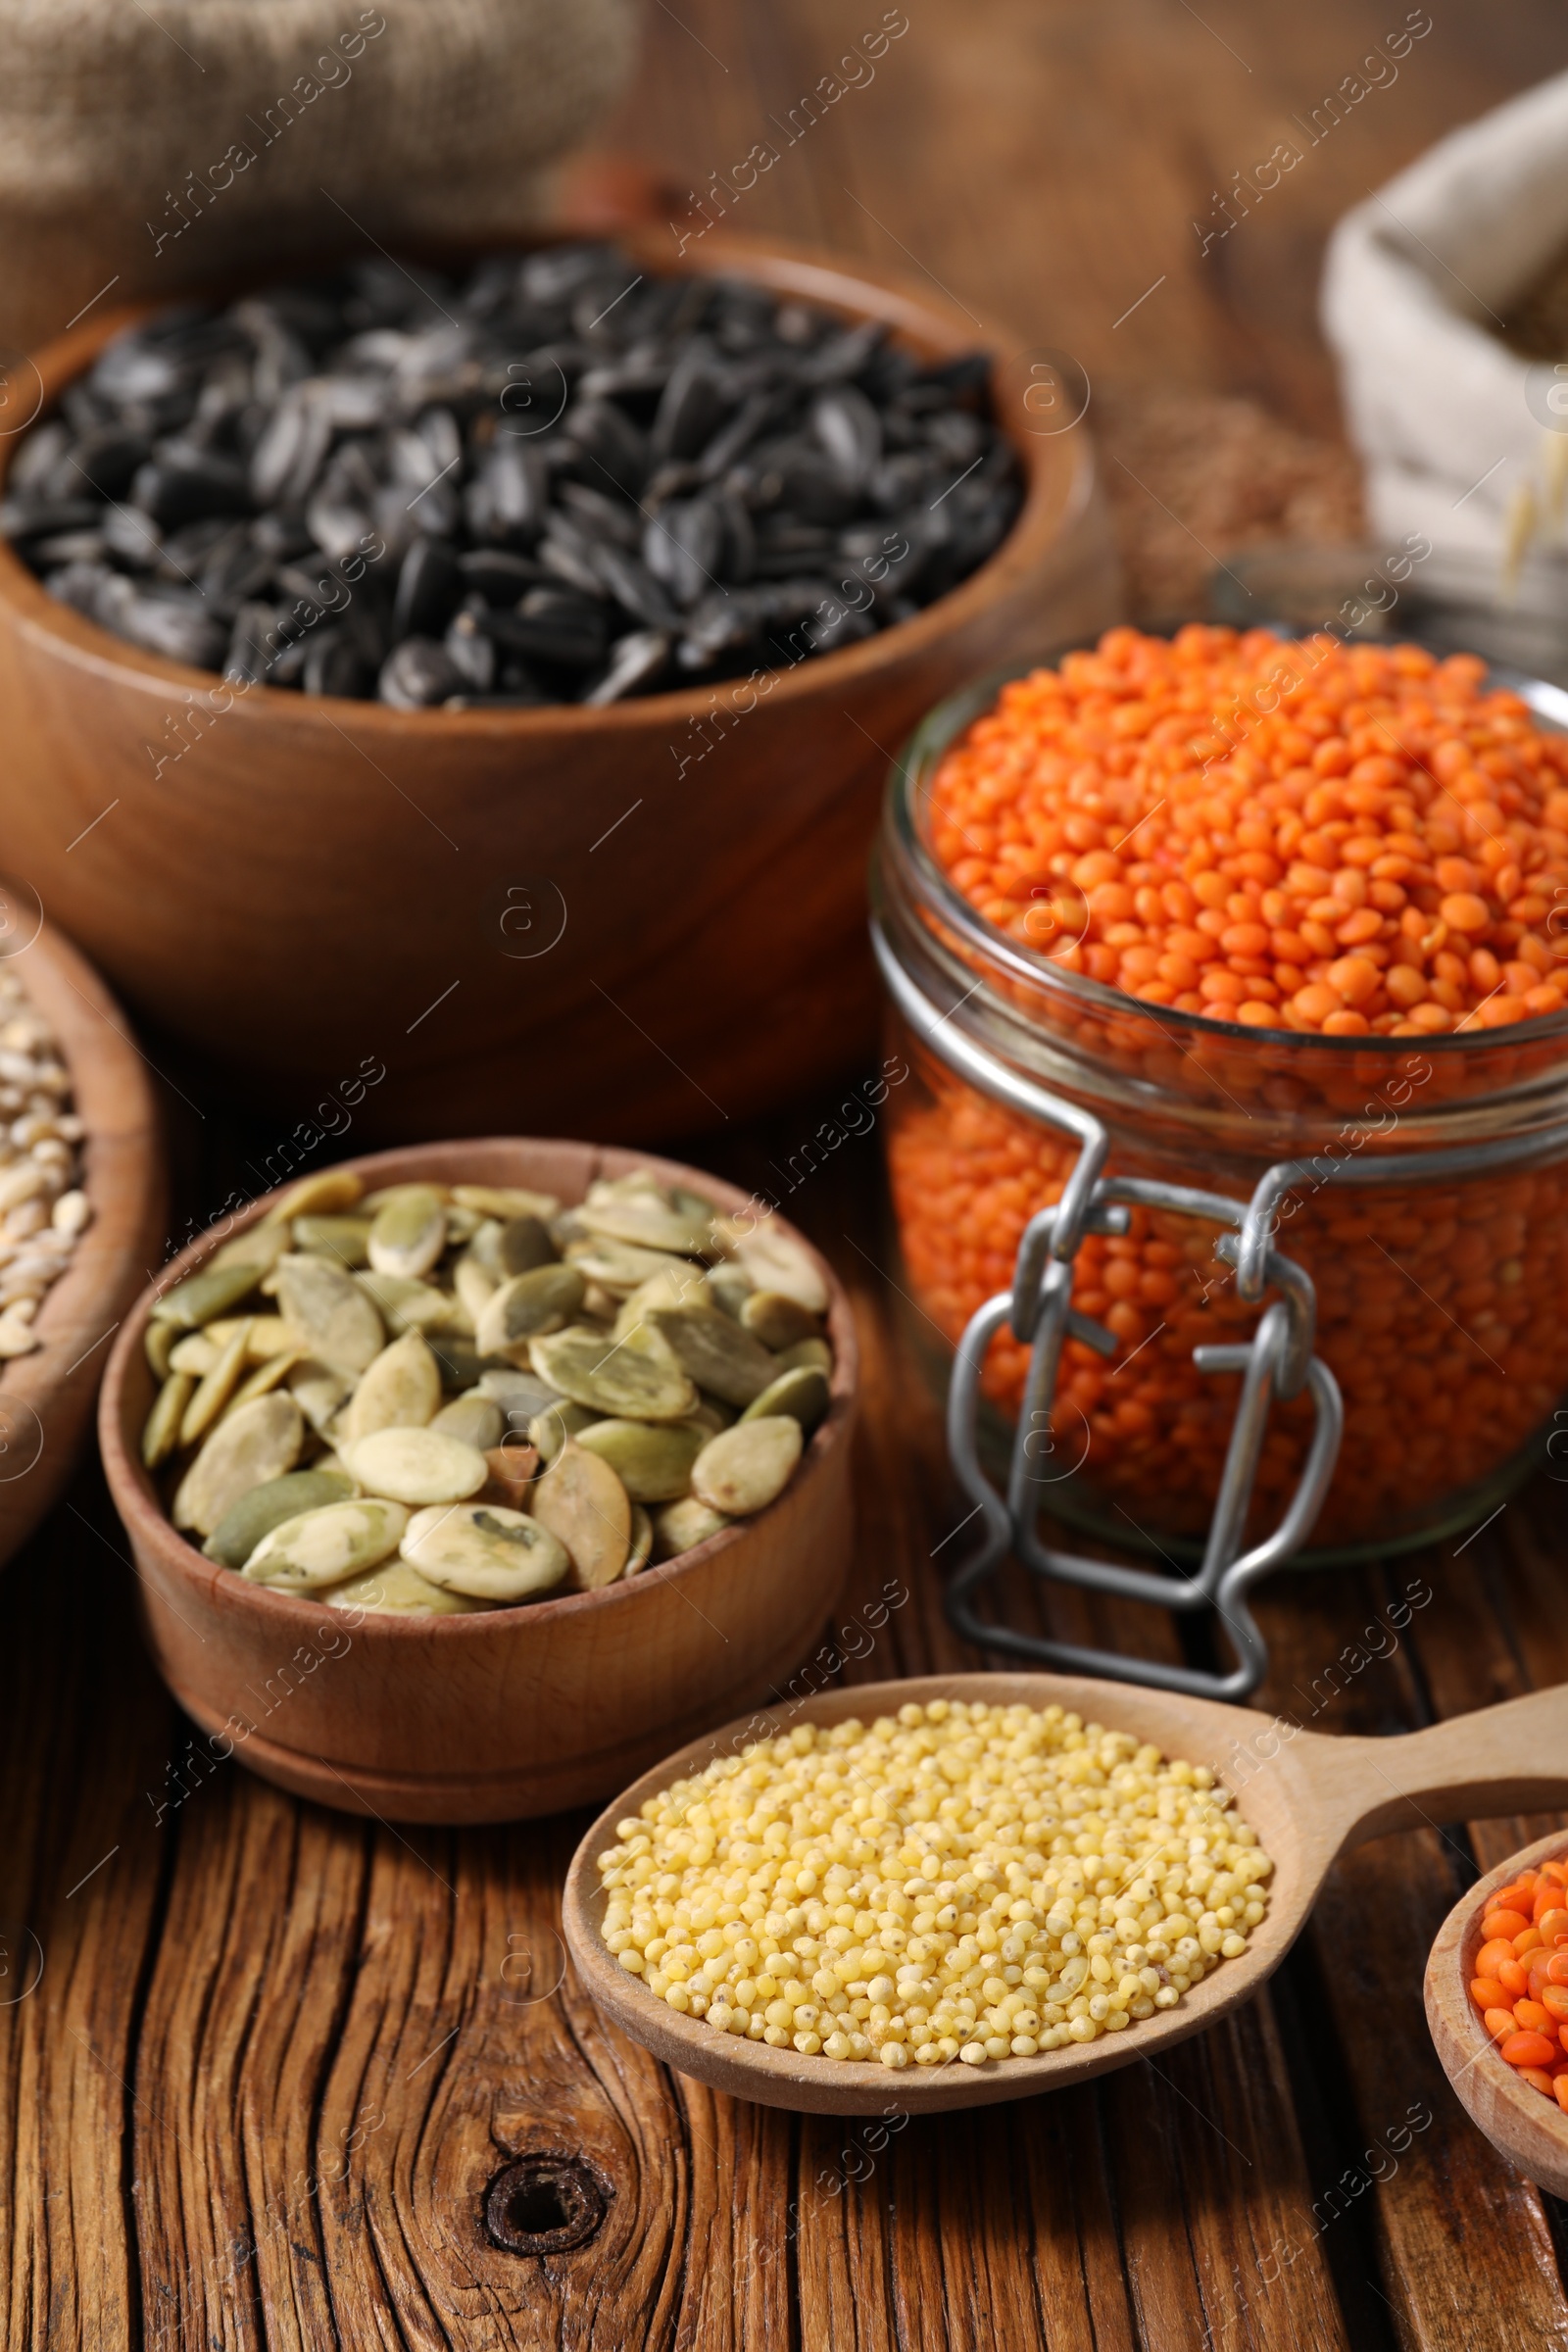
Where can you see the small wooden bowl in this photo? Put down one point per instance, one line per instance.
(46, 1397)
(1530, 2130)
(516, 1712)
(687, 868)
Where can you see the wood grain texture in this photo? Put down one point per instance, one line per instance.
(515, 1712)
(1464, 2251)
(1037, 155)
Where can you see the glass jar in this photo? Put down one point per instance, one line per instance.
(1431, 1216)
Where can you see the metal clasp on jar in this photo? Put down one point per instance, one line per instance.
(1276, 1361)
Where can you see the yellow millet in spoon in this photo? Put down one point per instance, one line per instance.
(963, 1881)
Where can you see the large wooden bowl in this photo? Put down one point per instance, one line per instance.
(515, 1712)
(46, 1397)
(1530, 2129)
(509, 908)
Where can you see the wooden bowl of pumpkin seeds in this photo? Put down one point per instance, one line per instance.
(465, 1481)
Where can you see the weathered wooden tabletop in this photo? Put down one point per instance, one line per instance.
(258, 2062)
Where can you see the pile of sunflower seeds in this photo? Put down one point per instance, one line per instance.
(434, 1400)
(563, 481)
(43, 1209)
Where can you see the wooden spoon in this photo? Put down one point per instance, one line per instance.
(1308, 1797)
(1521, 2123)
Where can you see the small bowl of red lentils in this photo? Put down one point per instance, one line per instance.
(1497, 2002)
(1250, 899)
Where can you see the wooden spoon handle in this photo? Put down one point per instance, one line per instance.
(1511, 1758)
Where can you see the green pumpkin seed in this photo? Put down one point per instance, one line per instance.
(623, 1378)
(461, 1363)
(324, 1195)
(549, 1431)
(195, 1353)
(524, 1243)
(485, 1551)
(713, 1415)
(328, 1314)
(325, 1546)
(474, 1418)
(216, 1390)
(260, 1441)
(642, 1541)
(417, 1466)
(652, 1460)
(256, 1514)
(526, 1305)
(476, 1285)
(320, 1391)
(777, 1262)
(681, 1526)
(743, 1469)
(347, 1238)
(685, 1285)
(270, 1373)
(405, 1304)
(213, 1291)
(161, 1437)
(505, 1202)
(419, 1327)
(802, 1394)
(409, 1232)
(777, 1320)
(729, 1286)
(585, 1507)
(400, 1389)
(520, 1394)
(395, 1590)
(374, 1202)
(619, 1268)
(267, 1335)
(718, 1354)
(636, 1208)
(259, 1245)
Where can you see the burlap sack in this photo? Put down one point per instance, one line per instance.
(1454, 428)
(168, 146)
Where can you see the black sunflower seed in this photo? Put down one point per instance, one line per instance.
(558, 480)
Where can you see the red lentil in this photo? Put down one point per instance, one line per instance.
(1382, 851)
(1079, 816)
(1521, 1980)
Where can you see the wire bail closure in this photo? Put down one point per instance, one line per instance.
(1276, 1361)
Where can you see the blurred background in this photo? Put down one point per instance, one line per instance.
(1143, 185)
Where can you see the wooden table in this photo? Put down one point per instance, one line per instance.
(259, 2062)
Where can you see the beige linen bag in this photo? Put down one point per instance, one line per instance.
(165, 146)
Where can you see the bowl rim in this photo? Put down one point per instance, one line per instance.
(1450, 1966)
(1058, 471)
(131, 1489)
(124, 1215)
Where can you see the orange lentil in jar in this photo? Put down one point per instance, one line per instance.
(1382, 853)
(1322, 876)
(1443, 1312)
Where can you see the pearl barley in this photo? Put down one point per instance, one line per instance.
(964, 1882)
